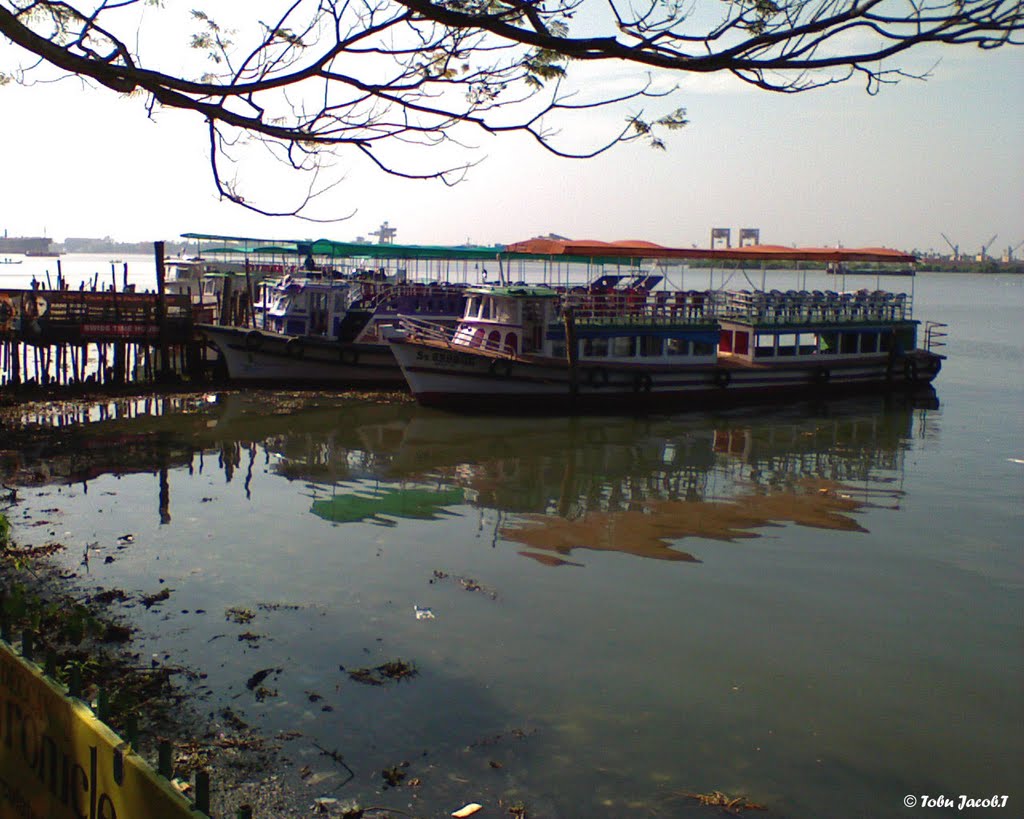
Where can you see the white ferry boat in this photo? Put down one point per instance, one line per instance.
(323, 322)
(612, 349)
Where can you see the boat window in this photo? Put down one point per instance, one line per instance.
(478, 338)
(505, 311)
(848, 342)
(787, 344)
(680, 346)
(808, 343)
(494, 340)
(471, 307)
(764, 345)
(512, 344)
(741, 343)
(725, 341)
(623, 346)
(533, 338)
(703, 348)
(869, 343)
(485, 308)
(595, 347)
(650, 346)
(829, 342)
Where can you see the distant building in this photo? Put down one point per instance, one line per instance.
(25, 244)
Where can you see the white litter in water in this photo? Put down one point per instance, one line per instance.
(423, 614)
(1016, 460)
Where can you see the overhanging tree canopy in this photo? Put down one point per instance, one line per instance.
(308, 77)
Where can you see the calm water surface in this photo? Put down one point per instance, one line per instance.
(819, 606)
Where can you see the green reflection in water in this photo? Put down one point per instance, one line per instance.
(412, 503)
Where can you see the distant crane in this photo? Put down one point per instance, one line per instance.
(984, 248)
(1011, 250)
(953, 247)
(385, 234)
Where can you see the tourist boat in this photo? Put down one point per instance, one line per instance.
(612, 349)
(330, 332)
(224, 277)
(323, 322)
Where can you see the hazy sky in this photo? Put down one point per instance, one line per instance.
(825, 167)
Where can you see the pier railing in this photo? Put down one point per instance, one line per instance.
(68, 337)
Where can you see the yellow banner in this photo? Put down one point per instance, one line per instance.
(57, 761)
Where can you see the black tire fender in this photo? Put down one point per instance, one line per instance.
(910, 370)
(500, 368)
(253, 341)
(598, 377)
(642, 382)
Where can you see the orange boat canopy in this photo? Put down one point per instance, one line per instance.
(649, 250)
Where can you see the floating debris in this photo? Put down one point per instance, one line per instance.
(260, 676)
(151, 599)
(277, 607)
(730, 803)
(467, 583)
(240, 615)
(110, 596)
(392, 670)
(423, 614)
(323, 804)
(394, 775)
(467, 810)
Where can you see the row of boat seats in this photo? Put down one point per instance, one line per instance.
(828, 305)
(668, 304)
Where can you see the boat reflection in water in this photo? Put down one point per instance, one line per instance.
(558, 487)
(566, 486)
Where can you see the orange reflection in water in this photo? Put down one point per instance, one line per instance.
(650, 530)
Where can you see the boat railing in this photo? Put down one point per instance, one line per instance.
(414, 297)
(643, 307)
(422, 330)
(934, 335)
(804, 306)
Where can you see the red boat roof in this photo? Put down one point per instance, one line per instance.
(650, 250)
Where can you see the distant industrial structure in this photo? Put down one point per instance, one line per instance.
(748, 237)
(983, 257)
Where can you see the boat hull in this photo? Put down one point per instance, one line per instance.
(452, 379)
(267, 358)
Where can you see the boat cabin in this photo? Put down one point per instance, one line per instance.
(606, 325)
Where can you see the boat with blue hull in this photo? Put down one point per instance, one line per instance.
(615, 349)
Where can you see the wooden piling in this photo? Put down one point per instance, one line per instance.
(570, 349)
(165, 370)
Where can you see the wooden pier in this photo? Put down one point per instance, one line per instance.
(65, 337)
